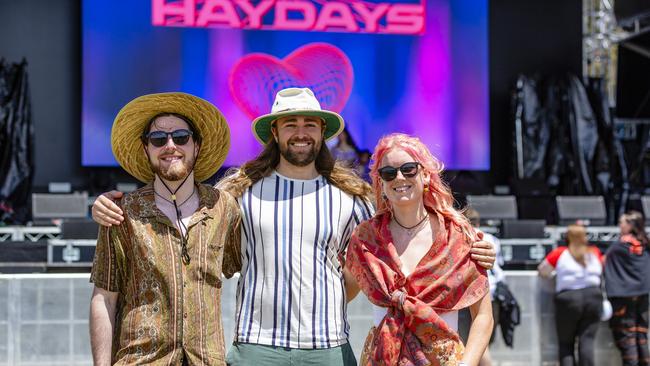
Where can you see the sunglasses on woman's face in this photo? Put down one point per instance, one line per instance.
(409, 170)
(159, 138)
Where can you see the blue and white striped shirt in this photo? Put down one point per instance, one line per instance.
(291, 291)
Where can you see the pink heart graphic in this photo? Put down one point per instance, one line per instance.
(322, 67)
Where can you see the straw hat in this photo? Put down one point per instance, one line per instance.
(296, 101)
(133, 118)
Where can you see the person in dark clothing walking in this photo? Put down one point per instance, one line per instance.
(627, 266)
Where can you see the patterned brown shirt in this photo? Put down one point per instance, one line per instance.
(167, 311)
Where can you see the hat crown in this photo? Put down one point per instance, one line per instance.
(295, 99)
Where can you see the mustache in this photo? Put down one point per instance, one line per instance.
(170, 151)
(302, 139)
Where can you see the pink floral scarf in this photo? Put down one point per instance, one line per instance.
(446, 279)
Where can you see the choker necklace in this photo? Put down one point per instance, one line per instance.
(410, 229)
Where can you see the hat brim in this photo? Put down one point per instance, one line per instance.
(133, 118)
(262, 125)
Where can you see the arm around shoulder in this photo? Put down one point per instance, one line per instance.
(105, 211)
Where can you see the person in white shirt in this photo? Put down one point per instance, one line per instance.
(578, 297)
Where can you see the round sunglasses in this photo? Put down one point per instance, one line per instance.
(409, 170)
(160, 138)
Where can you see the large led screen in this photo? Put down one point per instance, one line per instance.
(418, 67)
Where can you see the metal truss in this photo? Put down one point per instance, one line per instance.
(601, 37)
(29, 233)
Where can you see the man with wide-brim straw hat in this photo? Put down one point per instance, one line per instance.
(157, 275)
(131, 120)
(299, 207)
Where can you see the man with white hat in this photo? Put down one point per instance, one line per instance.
(298, 209)
(157, 276)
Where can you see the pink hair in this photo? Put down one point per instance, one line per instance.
(438, 199)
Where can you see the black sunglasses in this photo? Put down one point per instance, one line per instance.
(159, 138)
(409, 170)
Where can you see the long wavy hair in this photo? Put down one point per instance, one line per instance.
(637, 222)
(438, 199)
(238, 180)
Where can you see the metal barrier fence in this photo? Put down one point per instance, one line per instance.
(44, 321)
(22, 245)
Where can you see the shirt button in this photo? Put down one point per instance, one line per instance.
(185, 315)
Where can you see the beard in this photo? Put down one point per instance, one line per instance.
(174, 172)
(300, 158)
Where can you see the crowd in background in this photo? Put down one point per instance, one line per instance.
(347, 151)
(591, 287)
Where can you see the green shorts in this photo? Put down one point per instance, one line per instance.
(247, 354)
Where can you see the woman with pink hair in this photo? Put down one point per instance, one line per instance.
(412, 260)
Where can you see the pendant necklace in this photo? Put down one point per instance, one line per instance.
(410, 230)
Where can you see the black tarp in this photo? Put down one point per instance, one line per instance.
(532, 132)
(584, 133)
(611, 168)
(574, 137)
(566, 139)
(16, 143)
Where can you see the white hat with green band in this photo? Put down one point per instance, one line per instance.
(296, 101)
